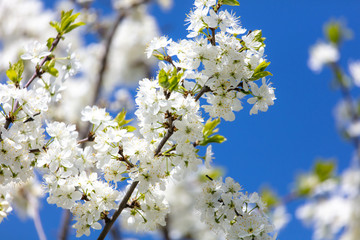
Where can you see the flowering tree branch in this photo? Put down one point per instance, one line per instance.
(117, 213)
(108, 42)
(38, 73)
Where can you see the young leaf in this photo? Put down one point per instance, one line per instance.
(213, 139)
(230, 2)
(261, 67)
(163, 79)
(210, 126)
(15, 71)
(324, 169)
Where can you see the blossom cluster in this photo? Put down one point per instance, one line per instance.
(334, 210)
(218, 62)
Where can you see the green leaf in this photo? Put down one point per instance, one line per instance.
(55, 25)
(73, 26)
(324, 169)
(130, 128)
(213, 139)
(50, 42)
(210, 126)
(261, 67)
(66, 23)
(230, 2)
(121, 121)
(259, 75)
(159, 56)
(163, 79)
(15, 71)
(53, 71)
(333, 32)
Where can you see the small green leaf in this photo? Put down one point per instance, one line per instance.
(159, 56)
(259, 75)
(15, 71)
(210, 126)
(50, 42)
(73, 26)
(261, 67)
(55, 25)
(324, 169)
(230, 2)
(130, 128)
(213, 139)
(163, 79)
(121, 121)
(12, 75)
(53, 71)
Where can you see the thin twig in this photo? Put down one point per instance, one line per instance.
(165, 229)
(204, 89)
(36, 74)
(66, 219)
(108, 43)
(122, 205)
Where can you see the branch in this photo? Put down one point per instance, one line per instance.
(36, 74)
(108, 43)
(165, 229)
(204, 89)
(122, 205)
(65, 225)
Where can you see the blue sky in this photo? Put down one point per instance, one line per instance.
(271, 147)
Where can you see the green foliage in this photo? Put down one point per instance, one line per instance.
(15, 71)
(229, 2)
(66, 23)
(336, 32)
(208, 130)
(169, 80)
(324, 169)
(49, 67)
(259, 71)
(50, 42)
(159, 56)
(121, 121)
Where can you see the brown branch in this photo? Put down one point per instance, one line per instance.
(122, 205)
(65, 225)
(204, 89)
(108, 43)
(165, 229)
(36, 74)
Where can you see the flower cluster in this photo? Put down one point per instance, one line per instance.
(334, 208)
(222, 68)
(239, 216)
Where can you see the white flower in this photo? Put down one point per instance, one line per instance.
(156, 44)
(321, 54)
(95, 115)
(263, 97)
(35, 51)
